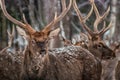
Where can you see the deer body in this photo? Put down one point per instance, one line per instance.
(68, 63)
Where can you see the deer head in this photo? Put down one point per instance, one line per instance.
(39, 38)
(96, 44)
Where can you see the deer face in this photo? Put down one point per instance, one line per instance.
(39, 40)
(102, 50)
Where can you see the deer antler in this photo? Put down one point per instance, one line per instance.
(97, 21)
(56, 19)
(11, 36)
(27, 27)
(23, 25)
(98, 17)
(81, 18)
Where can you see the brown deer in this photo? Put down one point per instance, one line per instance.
(111, 67)
(10, 61)
(96, 45)
(67, 63)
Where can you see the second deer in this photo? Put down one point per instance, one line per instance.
(96, 45)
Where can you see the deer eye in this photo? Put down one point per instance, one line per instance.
(99, 46)
(33, 41)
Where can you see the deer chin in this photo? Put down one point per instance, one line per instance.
(107, 58)
(110, 55)
(42, 52)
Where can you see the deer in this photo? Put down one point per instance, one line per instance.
(111, 67)
(41, 63)
(9, 60)
(96, 45)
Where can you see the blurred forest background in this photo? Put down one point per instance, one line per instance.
(40, 12)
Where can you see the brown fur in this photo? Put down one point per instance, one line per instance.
(117, 71)
(101, 50)
(68, 63)
(10, 66)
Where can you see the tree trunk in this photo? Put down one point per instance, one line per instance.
(113, 17)
(4, 31)
(34, 21)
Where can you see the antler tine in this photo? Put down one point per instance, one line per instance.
(82, 20)
(11, 36)
(2, 3)
(89, 14)
(63, 4)
(13, 31)
(105, 29)
(98, 17)
(27, 27)
(62, 30)
(104, 25)
(57, 19)
(24, 19)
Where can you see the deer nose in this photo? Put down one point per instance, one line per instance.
(41, 44)
(43, 52)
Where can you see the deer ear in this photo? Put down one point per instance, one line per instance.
(54, 33)
(21, 32)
